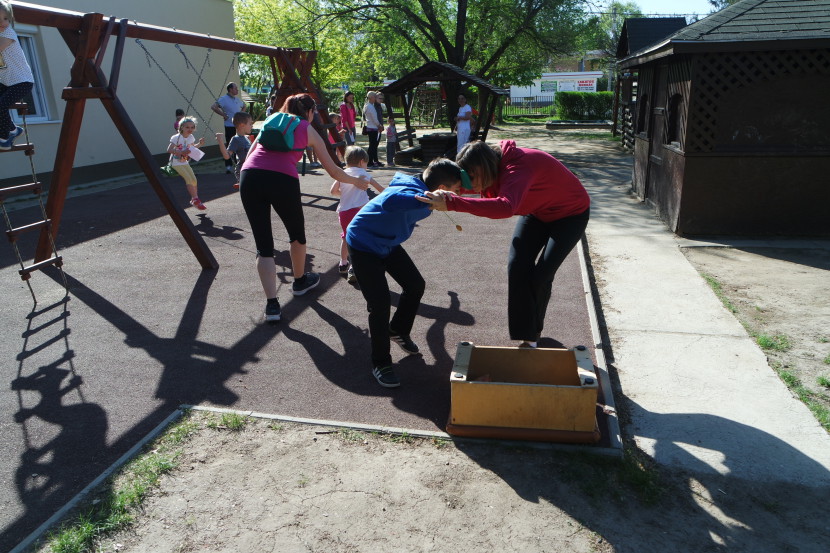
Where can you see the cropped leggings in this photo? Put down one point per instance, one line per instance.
(262, 190)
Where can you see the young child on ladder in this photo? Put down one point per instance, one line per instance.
(16, 79)
(179, 150)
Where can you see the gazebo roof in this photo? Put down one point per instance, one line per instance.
(439, 71)
(745, 26)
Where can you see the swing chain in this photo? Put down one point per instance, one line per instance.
(150, 57)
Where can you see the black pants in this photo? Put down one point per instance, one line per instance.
(373, 146)
(230, 132)
(530, 275)
(9, 95)
(260, 190)
(370, 270)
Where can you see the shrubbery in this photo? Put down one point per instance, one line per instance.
(583, 106)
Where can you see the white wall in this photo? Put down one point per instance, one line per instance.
(146, 93)
(551, 83)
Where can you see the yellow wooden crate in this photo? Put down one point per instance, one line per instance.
(526, 393)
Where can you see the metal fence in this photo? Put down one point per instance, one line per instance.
(529, 106)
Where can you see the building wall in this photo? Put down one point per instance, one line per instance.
(149, 97)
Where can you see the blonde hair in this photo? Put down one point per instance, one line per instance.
(6, 6)
(354, 155)
(186, 119)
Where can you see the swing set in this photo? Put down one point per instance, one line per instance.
(87, 36)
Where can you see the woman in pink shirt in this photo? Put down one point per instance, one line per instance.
(269, 179)
(553, 207)
(348, 116)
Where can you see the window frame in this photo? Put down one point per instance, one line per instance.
(28, 41)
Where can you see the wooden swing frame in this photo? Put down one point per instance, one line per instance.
(87, 36)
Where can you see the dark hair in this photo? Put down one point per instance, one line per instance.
(354, 155)
(179, 112)
(230, 86)
(347, 94)
(299, 104)
(441, 171)
(241, 117)
(481, 159)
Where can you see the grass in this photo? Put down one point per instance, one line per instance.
(778, 342)
(816, 402)
(824, 381)
(717, 288)
(229, 421)
(112, 509)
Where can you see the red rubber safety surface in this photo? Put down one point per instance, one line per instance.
(145, 330)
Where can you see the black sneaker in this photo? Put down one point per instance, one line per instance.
(350, 276)
(306, 283)
(386, 377)
(405, 342)
(272, 311)
(343, 268)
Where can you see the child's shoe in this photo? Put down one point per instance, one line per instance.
(343, 268)
(236, 186)
(350, 276)
(386, 377)
(15, 133)
(405, 342)
(197, 203)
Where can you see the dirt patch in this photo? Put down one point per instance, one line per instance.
(782, 294)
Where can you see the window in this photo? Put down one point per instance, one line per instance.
(673, 120)
(38, 110)
(642, 114)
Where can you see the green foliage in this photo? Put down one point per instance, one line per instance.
(582, 106)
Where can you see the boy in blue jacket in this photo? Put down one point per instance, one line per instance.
(374, 239)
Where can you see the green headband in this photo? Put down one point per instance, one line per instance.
(465, 180)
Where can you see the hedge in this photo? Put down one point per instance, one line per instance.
(582, 106)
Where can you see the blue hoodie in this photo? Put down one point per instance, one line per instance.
(389, 218)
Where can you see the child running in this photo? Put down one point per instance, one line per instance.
(374, 239)
(352, 198)
(239, 144)
(16, 79)
(179, 150)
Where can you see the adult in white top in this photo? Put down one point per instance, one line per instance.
(226, 107)
(462, 121)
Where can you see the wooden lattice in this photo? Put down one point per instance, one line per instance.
(716, 74)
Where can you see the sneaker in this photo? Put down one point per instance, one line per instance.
(343, 268)
(527, 344)
(350, 276)
(386, 377)
(272, 311)
(15, 133)
(306, 283)
(6, 144)
(236, 186)
(228, 170)
(405, 342)
(197, 203)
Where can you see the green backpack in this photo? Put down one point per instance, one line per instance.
(277, 132)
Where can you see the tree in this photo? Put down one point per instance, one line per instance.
(720, 4)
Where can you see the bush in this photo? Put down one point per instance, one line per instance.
(582, 106)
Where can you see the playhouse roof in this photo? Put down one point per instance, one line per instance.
(747, 25)
(439, 71)
(639, 32)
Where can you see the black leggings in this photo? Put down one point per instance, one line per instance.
(230, 132)
(530, 275)
(260, 190)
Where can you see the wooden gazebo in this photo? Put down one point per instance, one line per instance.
(445, 72)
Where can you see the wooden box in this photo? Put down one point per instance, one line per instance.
(540, 394)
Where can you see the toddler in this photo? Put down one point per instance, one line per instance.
(16, 79)
(179, 150)
(391, 141)
(352, 198)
